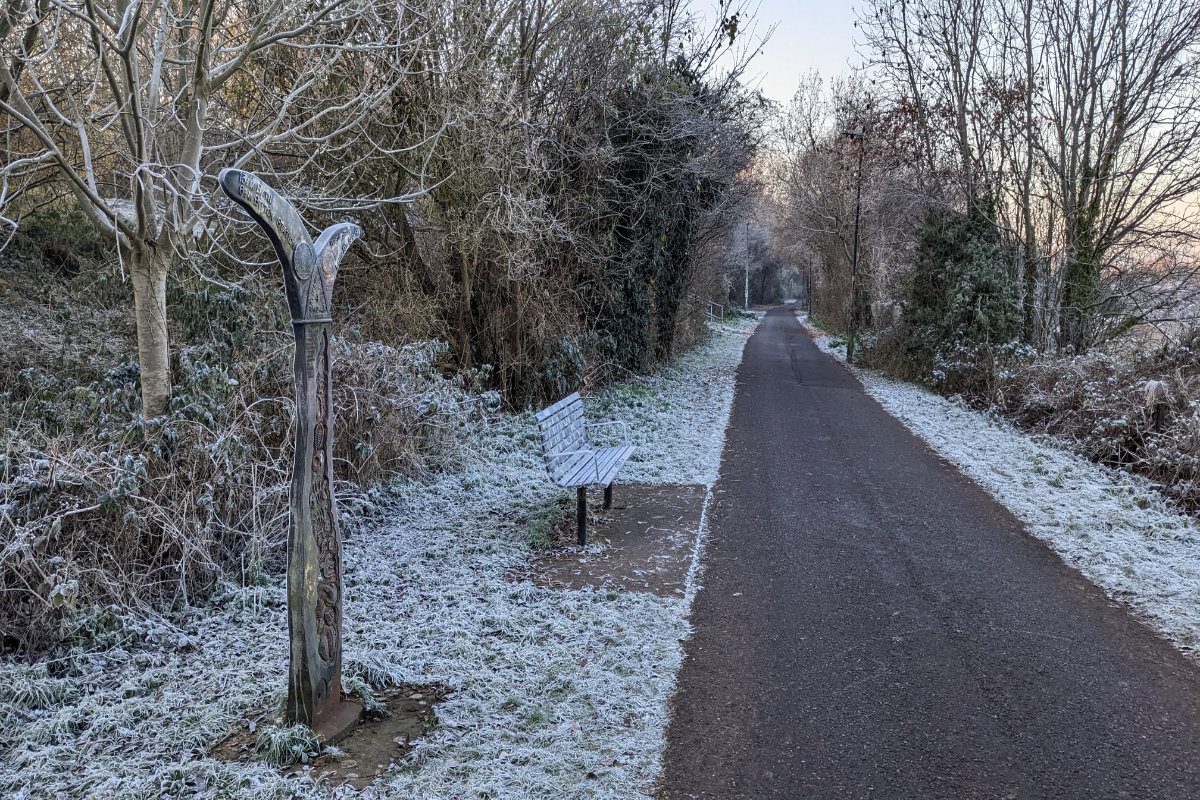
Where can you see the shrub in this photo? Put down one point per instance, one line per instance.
(99, 507)
(962, 314)
(1097, 402)
(59, 239)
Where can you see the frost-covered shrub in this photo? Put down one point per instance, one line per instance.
(59, 237)
(97, 506)
(1098, 402)
(975, 369)
(397, 414)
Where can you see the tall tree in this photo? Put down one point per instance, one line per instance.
(1078, 119)
(133, 105)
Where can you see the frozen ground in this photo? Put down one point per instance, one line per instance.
(556, 694)
(1113, 527)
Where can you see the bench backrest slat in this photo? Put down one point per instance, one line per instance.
(562, 428)
(567, 401)
(563, 434)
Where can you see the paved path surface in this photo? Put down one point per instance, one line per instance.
(873, 625)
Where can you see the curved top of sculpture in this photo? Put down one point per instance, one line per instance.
(288, 233)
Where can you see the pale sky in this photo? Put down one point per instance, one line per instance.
(811, 34)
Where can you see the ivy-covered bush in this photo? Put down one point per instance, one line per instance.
(961, 317)
(659, 191)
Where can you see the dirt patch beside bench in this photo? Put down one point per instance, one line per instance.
(644, 543)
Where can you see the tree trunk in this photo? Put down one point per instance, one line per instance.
(1080, 290)
(149, 272)
(1030, 275)
(1081, 285)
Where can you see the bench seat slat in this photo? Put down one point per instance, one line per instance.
(604, 460)
(564, 473)
(583, 474)
(599, 467)
(617, 460)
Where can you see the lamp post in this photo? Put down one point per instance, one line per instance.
(746, 264)
(860, 134)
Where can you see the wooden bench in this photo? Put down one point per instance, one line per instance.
(573, 460)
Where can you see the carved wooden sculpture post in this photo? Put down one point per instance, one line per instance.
(314, 568)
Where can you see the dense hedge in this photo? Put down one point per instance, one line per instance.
(961, 310)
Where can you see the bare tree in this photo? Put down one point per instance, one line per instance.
(1121, 108)
(1077, 122)
(133, 105)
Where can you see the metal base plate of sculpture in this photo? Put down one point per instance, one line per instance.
(314, 568)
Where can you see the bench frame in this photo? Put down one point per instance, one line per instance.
(572, 458)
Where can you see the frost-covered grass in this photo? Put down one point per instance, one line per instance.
(555, 694)
(1113, 527)
(677, 418)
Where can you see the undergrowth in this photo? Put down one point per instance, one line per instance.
(284, 745)
(99, 507)
(550, 688)
(1106, 404)
(1131, 404)
(543, 524)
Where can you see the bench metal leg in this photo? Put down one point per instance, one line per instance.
(608, 496)
(581, 515)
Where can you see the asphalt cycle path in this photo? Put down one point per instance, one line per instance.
(871, 624)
